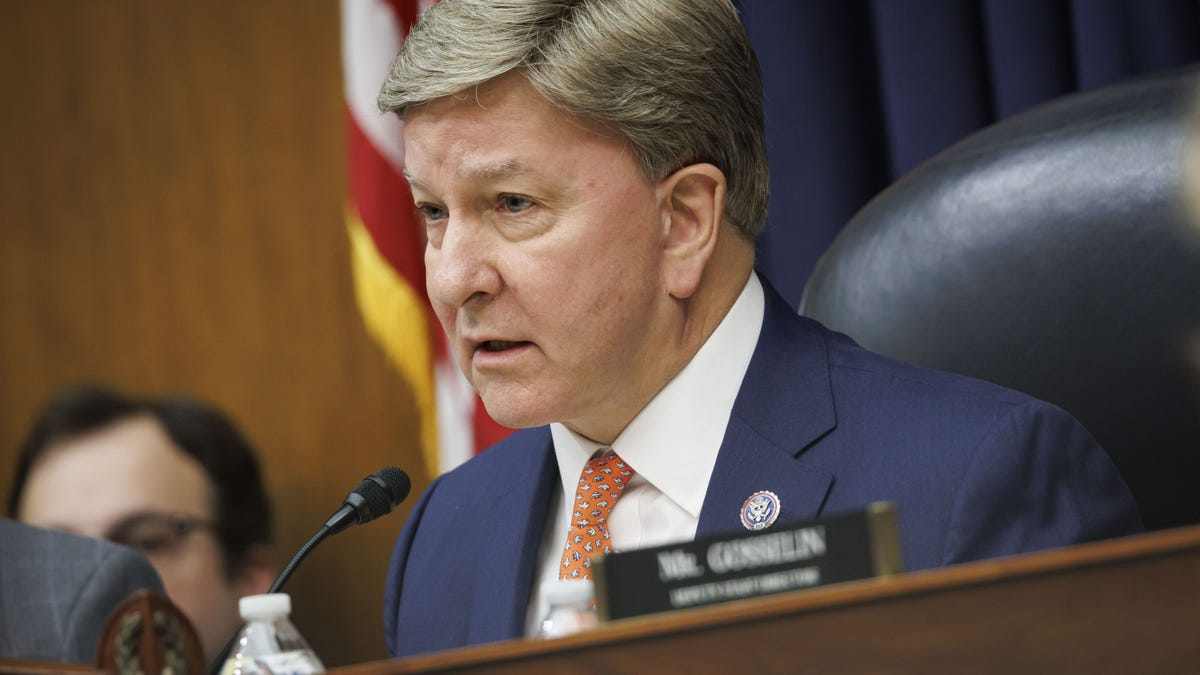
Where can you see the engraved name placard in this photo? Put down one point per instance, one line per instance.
(841, 547)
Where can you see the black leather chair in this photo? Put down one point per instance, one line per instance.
(1048, 253)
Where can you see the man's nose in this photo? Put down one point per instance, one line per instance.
(464, 267)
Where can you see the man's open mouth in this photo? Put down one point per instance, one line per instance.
(500, 345)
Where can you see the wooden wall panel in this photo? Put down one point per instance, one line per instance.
(171, 221)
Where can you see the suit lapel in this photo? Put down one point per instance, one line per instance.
(785, 405)
(512, 535)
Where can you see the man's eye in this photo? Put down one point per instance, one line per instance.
(430, 213)
(514, 203)
(148, 537)
(152, 543)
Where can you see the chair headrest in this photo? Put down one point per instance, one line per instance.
(1048, 253)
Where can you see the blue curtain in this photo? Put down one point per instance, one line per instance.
(858, 92)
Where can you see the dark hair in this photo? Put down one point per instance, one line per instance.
(241, 510)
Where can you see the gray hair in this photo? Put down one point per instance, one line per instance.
(677, 78)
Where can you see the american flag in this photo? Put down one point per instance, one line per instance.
(387, 247)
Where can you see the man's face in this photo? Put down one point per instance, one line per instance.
(544, 257)
(129, 483)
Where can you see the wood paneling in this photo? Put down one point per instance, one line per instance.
(171, 221)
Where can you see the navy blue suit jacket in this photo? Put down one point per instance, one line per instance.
(975, 471)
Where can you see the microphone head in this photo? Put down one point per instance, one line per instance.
(379, 493)
(396, 482)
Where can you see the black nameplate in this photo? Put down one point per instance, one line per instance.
(804, 554)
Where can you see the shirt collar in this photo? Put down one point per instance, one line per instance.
(673, 442)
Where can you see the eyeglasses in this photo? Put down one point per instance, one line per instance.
(155, 533)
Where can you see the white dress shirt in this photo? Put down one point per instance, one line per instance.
(671, 444)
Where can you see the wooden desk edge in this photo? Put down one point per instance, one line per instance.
(26, 667)
(1108, 552)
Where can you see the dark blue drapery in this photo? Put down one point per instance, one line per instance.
(860, 91)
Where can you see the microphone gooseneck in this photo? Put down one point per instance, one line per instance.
(377, 495)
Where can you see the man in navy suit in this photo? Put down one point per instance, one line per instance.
(591, 176)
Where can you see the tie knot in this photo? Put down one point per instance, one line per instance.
(607, 472)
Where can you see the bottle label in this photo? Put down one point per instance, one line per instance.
(300, 662)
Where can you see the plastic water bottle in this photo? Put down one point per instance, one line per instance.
(269, 643)
(572, 608)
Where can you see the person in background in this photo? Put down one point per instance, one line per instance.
(172, 478)
(591, 176)
(59, 590)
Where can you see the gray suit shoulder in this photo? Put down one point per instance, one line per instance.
(58, 590)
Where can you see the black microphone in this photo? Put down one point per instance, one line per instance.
(375, 496)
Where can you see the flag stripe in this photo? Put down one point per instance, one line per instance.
(396, 315)
(383, 200)
(407, 11)
(371, 37)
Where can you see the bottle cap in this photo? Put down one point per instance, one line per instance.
(265, 607)
(568, 591)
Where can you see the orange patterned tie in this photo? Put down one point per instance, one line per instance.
(603, 480)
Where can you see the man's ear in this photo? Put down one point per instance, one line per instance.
(256, 572)
(694, 211)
